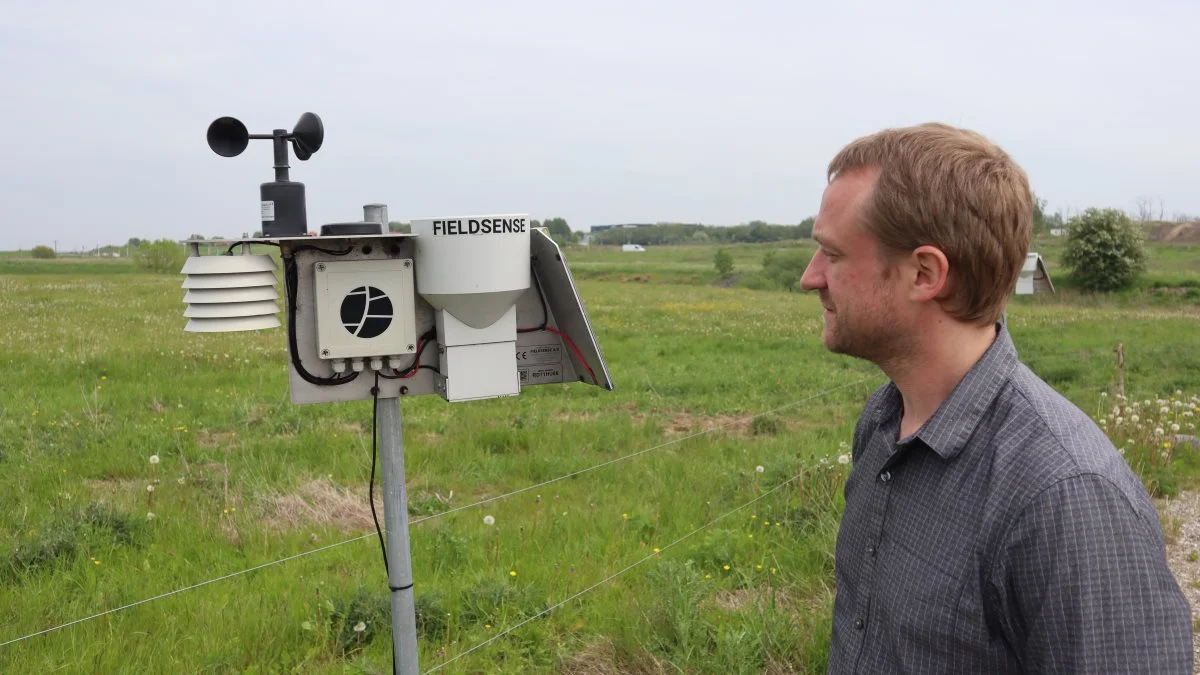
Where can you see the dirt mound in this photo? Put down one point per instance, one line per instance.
(1174, 233)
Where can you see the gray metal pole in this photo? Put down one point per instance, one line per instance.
(395, 518)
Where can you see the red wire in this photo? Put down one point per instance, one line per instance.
(575, 349)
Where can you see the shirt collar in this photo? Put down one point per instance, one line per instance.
(955, 421)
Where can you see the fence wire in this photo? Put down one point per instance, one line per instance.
(481, 502)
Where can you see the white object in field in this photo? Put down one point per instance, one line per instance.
(228, 293)
(365, 308)
(632, 248)
(1034, 278)
(472, 270)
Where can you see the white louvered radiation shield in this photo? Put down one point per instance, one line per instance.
(228, 293)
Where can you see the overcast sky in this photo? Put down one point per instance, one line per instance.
(609, 112)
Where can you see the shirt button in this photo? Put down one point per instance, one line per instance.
(885, 476)
(858, 623)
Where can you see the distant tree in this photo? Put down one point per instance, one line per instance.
(723, 262)
(42, 251)
(784, 268)
(558, 227)
(1104, 250)
(163, 256)
(134, 242)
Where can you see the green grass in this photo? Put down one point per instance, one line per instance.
(98, 376)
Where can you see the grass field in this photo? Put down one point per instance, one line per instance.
(105, 397)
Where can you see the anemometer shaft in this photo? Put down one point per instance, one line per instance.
(395, 517)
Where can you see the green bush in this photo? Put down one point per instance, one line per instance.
(1104, 251)
(723, 262)
(43, 252)
(164, 256)
(784, 267)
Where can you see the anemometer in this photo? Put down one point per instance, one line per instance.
(464, 307)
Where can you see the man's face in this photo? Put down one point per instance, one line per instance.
(863, 309)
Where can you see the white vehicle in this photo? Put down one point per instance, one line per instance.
(632, 247)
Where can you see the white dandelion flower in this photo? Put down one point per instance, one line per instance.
(1174, 427)
(843, 459)
(489, 520)
(154, 459)
(149, 488)
(360, 627)
(759, 469)
(1135, 419)
(149, 515)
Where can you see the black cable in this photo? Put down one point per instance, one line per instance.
(425, 340)
(229, 251)
(292, 282)
(371, 492)
(374, 454)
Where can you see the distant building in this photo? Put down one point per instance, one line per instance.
(1034, 277)
(601, 228)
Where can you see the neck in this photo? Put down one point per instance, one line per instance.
(940, 357)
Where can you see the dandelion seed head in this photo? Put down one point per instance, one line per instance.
(154, 459)
(360, 627)
(489, 520)
(149, 488)
(759, 469)
(843, 459)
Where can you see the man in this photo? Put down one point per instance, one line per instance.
(990, 526)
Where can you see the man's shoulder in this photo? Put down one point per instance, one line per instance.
(1041, 438)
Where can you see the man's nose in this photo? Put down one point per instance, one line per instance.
(812, 279)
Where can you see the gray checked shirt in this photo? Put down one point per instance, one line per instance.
(1007, 535)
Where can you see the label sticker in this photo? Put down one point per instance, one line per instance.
(268, 211)
(539, 374)
(535, 355)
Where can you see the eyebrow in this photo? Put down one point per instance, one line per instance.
(825, 242)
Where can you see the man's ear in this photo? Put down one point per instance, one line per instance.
(931, 274)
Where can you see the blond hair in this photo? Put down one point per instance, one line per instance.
(953, 189)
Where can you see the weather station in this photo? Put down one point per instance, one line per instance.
(464, 307)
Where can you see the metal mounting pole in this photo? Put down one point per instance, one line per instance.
(395, 518)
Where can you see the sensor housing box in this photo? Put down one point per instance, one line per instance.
(365, 308)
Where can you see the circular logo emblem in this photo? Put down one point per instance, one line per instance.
(366, 312)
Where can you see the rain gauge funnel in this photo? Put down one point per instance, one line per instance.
(472, 270)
